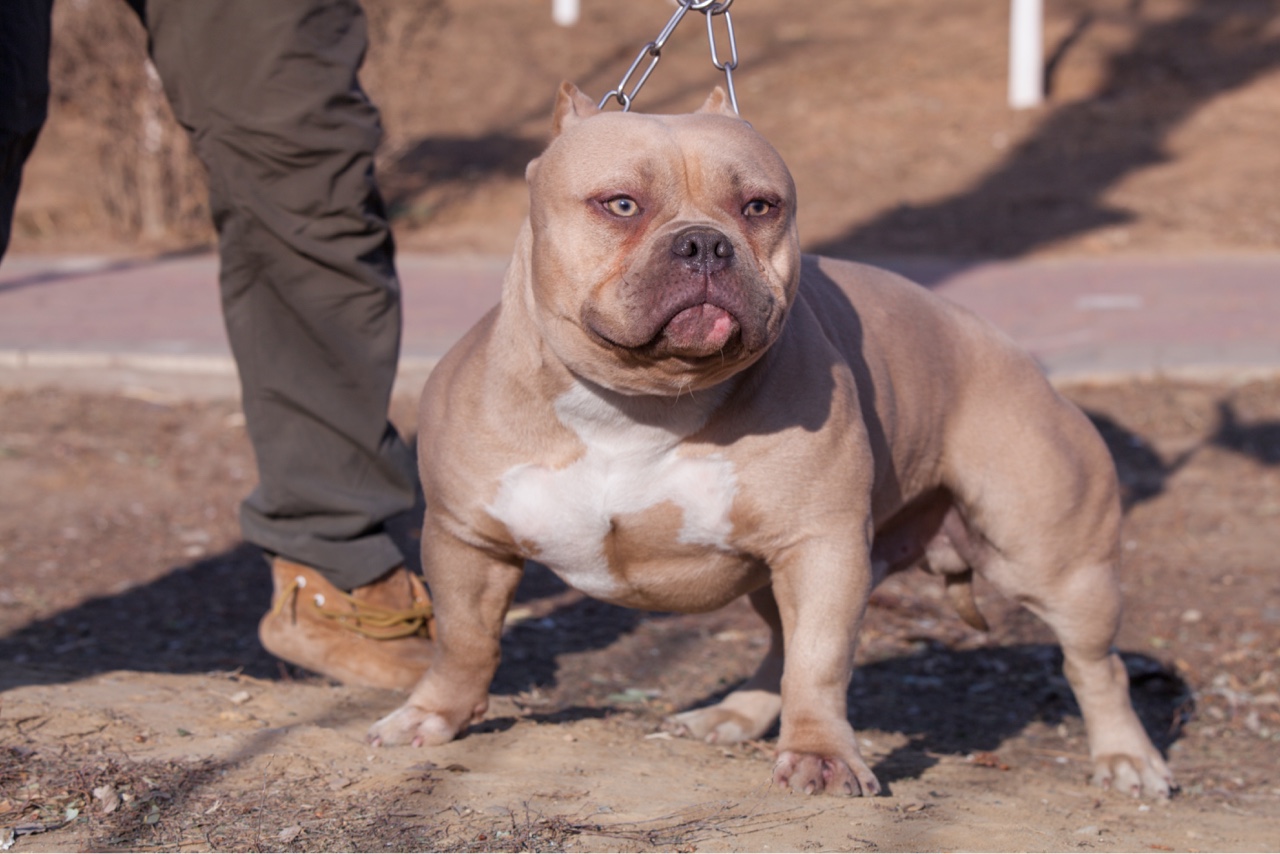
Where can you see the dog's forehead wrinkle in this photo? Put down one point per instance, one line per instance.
(609, 138)
(663, 147)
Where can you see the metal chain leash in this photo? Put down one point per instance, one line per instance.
(712, 9)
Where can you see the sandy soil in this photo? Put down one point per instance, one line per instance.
(138, 711)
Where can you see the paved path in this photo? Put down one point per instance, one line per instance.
(155, 322)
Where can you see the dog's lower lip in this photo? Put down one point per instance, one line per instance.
(699, 330)
(656, 340)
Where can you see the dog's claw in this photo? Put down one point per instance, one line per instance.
(414, 726)
(813, 775)
(1135, 775)
(674, 727)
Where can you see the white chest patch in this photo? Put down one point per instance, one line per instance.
(628, 467)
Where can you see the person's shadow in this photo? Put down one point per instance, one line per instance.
(203, 617)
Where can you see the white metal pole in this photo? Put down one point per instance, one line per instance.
(564, 12)
(1026, 54)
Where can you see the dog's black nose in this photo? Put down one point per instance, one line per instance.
(703, 248)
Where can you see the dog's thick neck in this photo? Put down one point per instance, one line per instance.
(681, 416)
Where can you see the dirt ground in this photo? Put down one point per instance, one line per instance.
(138, 711)
(1159, 132)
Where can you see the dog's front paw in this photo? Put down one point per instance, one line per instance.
(414, 725)
(1133, 775)
(811, 774)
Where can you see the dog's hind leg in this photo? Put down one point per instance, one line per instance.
(750, 710)
(1036, 491)
(1082, 606)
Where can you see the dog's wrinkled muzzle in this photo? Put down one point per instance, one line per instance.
(697, 301)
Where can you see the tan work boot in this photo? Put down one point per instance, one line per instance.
(377, 635)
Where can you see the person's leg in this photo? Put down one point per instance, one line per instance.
(24, 95)
(309, 289)
(269, 93)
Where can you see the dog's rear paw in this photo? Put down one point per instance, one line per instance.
(414, 725)
(810, 774)
(713, 725)
(742, 716)
(1133, 775)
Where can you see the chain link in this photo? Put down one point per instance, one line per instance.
(726, 67)
(653, 50)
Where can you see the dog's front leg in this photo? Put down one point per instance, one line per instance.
(821, 587)
(471, 592)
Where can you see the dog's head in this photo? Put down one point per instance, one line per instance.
(664, 248)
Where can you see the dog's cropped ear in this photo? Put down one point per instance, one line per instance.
(571, 107)
(718, 102)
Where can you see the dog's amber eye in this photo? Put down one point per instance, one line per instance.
(623, 206)
(756, 207)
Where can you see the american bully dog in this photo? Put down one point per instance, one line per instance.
(673, 407)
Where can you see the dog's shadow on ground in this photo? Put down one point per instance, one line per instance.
(962, 702)
(946, 701)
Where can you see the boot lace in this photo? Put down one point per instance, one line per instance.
(365, 618)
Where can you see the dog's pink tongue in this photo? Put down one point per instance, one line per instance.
(700, 330)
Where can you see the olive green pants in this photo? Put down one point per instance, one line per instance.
(268, 91)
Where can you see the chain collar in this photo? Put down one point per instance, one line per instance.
(712, 9)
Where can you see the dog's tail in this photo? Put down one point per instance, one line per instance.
(960, 592)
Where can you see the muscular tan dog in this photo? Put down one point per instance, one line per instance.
(672, 407)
